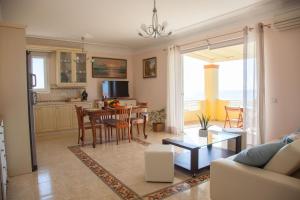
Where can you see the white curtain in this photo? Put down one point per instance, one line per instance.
(174, 91)
(254, 84)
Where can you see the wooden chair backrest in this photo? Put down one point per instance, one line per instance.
(233, 109)
(138, 111)
(99, 116)
(124, 113)
(80, 115)
(233, 113)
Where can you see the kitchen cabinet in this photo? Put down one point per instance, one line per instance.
(57, 117)
(70, 69)
(63, 116)
(45, 119)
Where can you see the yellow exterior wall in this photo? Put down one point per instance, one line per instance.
(191, 116)
(211, 77)
(220, 111)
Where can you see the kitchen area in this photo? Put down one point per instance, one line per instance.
(57, 80)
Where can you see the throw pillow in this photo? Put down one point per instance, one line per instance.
(291, 137)
(259, 155)
(286, 160)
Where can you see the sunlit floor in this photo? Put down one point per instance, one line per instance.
(63, 176)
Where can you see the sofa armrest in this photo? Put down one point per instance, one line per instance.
(232, 180)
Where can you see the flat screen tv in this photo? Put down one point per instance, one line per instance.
(115, 89)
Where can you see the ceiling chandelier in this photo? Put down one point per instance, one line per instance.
(154, 30)
(82, 56)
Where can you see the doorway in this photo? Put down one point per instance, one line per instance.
(213, 79)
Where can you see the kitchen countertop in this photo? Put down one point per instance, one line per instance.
(46, 103)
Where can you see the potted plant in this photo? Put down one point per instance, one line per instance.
(157, 120)
(203, 120)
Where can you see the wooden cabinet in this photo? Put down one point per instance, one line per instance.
(71, 69)
(45, 118)
(62, 117)
(58, 117)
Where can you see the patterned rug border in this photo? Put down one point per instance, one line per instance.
(122, 190)
(110, 180)
(177, 188)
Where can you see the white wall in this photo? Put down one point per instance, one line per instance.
(151, 90)
(282, 61)
(1, 11)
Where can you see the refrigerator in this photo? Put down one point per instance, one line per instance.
(31, 83)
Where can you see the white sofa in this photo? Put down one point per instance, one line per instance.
(230, 180)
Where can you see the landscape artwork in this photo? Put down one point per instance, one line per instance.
(149, 68)
(109, 68)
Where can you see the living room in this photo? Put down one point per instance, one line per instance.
(129, 84)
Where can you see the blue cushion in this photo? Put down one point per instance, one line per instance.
(291, 137)
(259, 155)
(287, 139)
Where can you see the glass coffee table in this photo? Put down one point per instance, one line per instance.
(198, 152)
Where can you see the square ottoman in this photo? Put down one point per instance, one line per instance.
(159, 163)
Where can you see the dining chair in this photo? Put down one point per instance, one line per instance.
(97, 119)
(82, 126)
(121, 122)
(235, 115)
(138, 119)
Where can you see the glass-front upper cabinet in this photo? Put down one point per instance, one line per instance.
(81, 67)
(71, 69)
(65, 69)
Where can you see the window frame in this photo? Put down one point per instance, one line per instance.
(45, 57)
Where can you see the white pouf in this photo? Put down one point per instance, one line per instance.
(159, 163)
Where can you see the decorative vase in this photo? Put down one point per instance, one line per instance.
(158, 126)
(203, 133)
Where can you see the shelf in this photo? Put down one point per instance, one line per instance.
(206, 156)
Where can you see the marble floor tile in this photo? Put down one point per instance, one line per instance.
(61, 175)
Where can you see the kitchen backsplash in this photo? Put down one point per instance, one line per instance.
(59, 94)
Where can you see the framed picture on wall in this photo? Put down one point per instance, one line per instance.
(150, 68)
(109, 68)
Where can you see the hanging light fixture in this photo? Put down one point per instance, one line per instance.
(155, 30)
(77, 59)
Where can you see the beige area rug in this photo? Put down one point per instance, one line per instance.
(121, 167)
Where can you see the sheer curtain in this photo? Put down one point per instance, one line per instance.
(254, 84)
(174, 91)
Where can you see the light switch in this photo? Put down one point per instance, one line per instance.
(274, 100)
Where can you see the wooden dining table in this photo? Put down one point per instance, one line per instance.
(135, 109)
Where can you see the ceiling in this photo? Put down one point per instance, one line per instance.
(113, 22)
(220, 54)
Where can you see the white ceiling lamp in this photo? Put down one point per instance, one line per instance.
(154, 30)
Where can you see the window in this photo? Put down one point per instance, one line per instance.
(40, 70)
(193, 78)
(231, 80)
